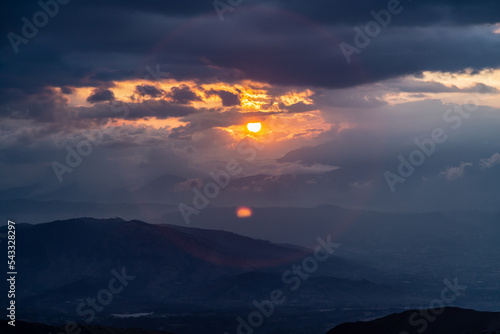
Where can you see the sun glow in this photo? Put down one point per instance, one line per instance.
(270, 124)
(254, 127)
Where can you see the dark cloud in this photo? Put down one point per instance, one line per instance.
(228, 99)
(132, 111)
(52, 111)
(481, 88)
(46, 106)
(285, 43)
(298, 107)
(66, 90)
(364, 153)
(206, 121)
(101, 95)
(295, 44)
(426, 12)
(149, 90)
(183, 95)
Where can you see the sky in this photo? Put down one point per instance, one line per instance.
(380, 105)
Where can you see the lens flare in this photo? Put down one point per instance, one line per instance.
(244, 212)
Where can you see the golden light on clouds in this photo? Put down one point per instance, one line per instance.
(295, 97)
(155, 123)
(283, 127)
(253, 96)
(465, 81)
(254, 127)
(244, 212)
(274, 125)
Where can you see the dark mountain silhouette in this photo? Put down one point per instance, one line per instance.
(441, 321)
(405, 246)
(30, 211)
(437, 321)
(410, 250)
(64, 262)
(34, 328)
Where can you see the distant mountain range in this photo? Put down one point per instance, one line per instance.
(170, 189)
(414, 251)
(65, 262)
(170, 275)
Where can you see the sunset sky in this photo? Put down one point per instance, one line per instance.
(168, 87)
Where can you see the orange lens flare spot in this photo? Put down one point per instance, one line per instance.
(244, 212)
(254, 127)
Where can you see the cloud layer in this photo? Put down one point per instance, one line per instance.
(166, 89)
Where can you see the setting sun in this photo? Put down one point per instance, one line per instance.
(254, 127)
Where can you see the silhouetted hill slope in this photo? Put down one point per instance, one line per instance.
(65, 262)
(450, 321)
(34, 328)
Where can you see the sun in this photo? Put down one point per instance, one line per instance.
(254, 127)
